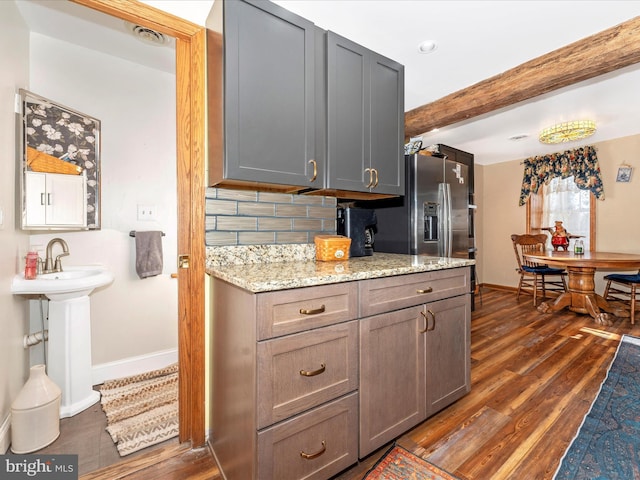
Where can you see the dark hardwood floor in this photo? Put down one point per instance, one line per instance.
(534, 377)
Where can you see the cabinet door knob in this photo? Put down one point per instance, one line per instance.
(313, 373)
(315, 170)
(311, 456)
(425, 290)
(312, 311)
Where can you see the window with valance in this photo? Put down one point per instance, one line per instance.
(581, 163)
(557, 187)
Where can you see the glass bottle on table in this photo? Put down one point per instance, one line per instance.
(578, 247)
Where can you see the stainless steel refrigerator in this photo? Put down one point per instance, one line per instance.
(435, 217)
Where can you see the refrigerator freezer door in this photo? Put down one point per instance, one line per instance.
(456, 175)
(425, 173)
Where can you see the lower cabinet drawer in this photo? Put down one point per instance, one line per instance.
(302, 371)
(382, 295)
(313, 446)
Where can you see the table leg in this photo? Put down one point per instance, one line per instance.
(591, 304)
(563, 301)
(582, 298)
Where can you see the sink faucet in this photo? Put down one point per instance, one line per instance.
(49, 266)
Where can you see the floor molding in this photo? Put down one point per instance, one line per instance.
(5, 434)
(133, 365)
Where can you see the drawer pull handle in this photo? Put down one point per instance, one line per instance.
(425, 290)
(426, 328)
(311, 456)
(312, 311)
(313, 373)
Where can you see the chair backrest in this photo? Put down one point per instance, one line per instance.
(528, 244)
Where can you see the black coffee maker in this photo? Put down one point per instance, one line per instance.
(359, 224)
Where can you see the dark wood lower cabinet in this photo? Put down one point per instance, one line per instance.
(306, 381)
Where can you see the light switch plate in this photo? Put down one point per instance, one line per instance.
(147, 213)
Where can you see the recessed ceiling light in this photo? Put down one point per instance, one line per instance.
(427, 46)
(518, 136)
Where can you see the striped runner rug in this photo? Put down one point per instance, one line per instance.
(141, 410)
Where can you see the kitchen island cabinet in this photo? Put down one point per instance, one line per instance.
(311, 371)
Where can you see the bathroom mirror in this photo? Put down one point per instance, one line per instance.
(58, 166)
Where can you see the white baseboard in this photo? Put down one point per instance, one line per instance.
(5, 434)
(133, 365)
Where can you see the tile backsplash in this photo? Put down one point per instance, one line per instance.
(241, 217)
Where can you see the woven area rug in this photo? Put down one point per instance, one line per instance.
(607, 445)
(400, 464)
(142, 410)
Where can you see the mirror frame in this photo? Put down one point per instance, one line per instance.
(45, 147)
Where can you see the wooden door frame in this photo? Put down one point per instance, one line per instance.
(190, 155)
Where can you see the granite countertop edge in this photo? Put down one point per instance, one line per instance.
(256, 276)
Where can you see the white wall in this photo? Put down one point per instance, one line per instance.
(14, 55)
(136, 106)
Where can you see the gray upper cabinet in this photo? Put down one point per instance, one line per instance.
(262, 96)
(365, 119)
(294, 108)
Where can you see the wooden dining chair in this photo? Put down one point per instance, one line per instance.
(623, 288)
(536, 277)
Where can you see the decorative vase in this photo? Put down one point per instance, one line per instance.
(35, 413)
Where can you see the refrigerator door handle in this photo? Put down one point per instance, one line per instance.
(448, 232)
(444, 220)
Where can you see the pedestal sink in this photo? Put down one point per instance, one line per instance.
(69, 359)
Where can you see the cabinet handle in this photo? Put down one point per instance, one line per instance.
(312, 311)
(370, 171)
(48, 199)
(42, 198)
(424, 290)
(313, 373)
(433, 315)
(426, 328)
(315, 170)
(375, 172)
(311, 456)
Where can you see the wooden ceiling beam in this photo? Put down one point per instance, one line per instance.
(604, 52)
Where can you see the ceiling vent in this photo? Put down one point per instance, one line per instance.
(147, 35)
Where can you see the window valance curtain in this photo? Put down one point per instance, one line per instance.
(581, 163)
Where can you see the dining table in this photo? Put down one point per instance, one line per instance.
(581, 296)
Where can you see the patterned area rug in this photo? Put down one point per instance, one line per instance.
(607, 445)
(142, 410)
(400, 464)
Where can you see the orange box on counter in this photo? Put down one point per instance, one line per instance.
(332, 247)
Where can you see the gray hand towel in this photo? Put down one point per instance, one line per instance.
(148, 253)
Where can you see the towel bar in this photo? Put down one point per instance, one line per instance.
(132, 233)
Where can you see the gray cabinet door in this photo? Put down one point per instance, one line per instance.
(387, 124)
(365, 119)
(269, 91)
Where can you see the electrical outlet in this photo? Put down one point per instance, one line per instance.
(147, 213)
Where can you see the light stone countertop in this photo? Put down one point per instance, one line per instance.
(305, 272)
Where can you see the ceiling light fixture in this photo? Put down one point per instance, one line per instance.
(568, 131)
(146, 35)
(427, 46)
